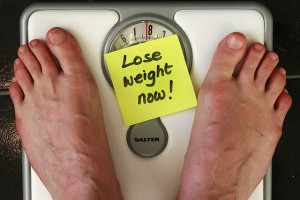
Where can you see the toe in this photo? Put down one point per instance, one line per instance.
(43, 56)
(276, 84)
(30, 61)
(251, 63)
(266, 68)
(16, 93)
(65, 48)
(23, 76)
(283, 104)
(228, 54)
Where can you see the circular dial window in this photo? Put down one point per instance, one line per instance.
(139, 29)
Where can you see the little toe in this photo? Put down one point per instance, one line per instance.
(23, 76)
(266, 68)
(228, 54)
(65, 48)
(43, 56)
(16, 92)
(283, 104)
(30, 61)
(276, 84)
(251, 63)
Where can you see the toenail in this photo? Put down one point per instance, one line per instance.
(235, 42)
(34, 43)
(57, 36)
(14, 79)
(282, 71)
(17, 61)
(22, 50)
(258, 47)
(285, 90)
(273, 56)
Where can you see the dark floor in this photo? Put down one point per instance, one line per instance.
(286, 162)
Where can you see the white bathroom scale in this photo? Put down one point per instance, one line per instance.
(147, 156)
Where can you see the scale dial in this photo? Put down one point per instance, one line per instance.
(139, 32)
(139, 29)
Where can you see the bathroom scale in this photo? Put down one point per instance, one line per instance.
(147, 156)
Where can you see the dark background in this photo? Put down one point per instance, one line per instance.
(286, 161)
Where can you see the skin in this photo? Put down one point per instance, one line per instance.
(59, 118)
(237, 125)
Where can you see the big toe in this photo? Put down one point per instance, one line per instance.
(65, 48)
(228, 54)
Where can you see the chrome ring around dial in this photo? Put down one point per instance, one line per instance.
(139, 29)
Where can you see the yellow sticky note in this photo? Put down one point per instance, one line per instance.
(151, 80)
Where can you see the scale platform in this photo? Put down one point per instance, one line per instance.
(100, 28)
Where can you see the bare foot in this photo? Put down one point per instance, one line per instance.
(237, 125)
(59, 118)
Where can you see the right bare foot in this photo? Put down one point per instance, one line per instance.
(237, 125)
(59, 118)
